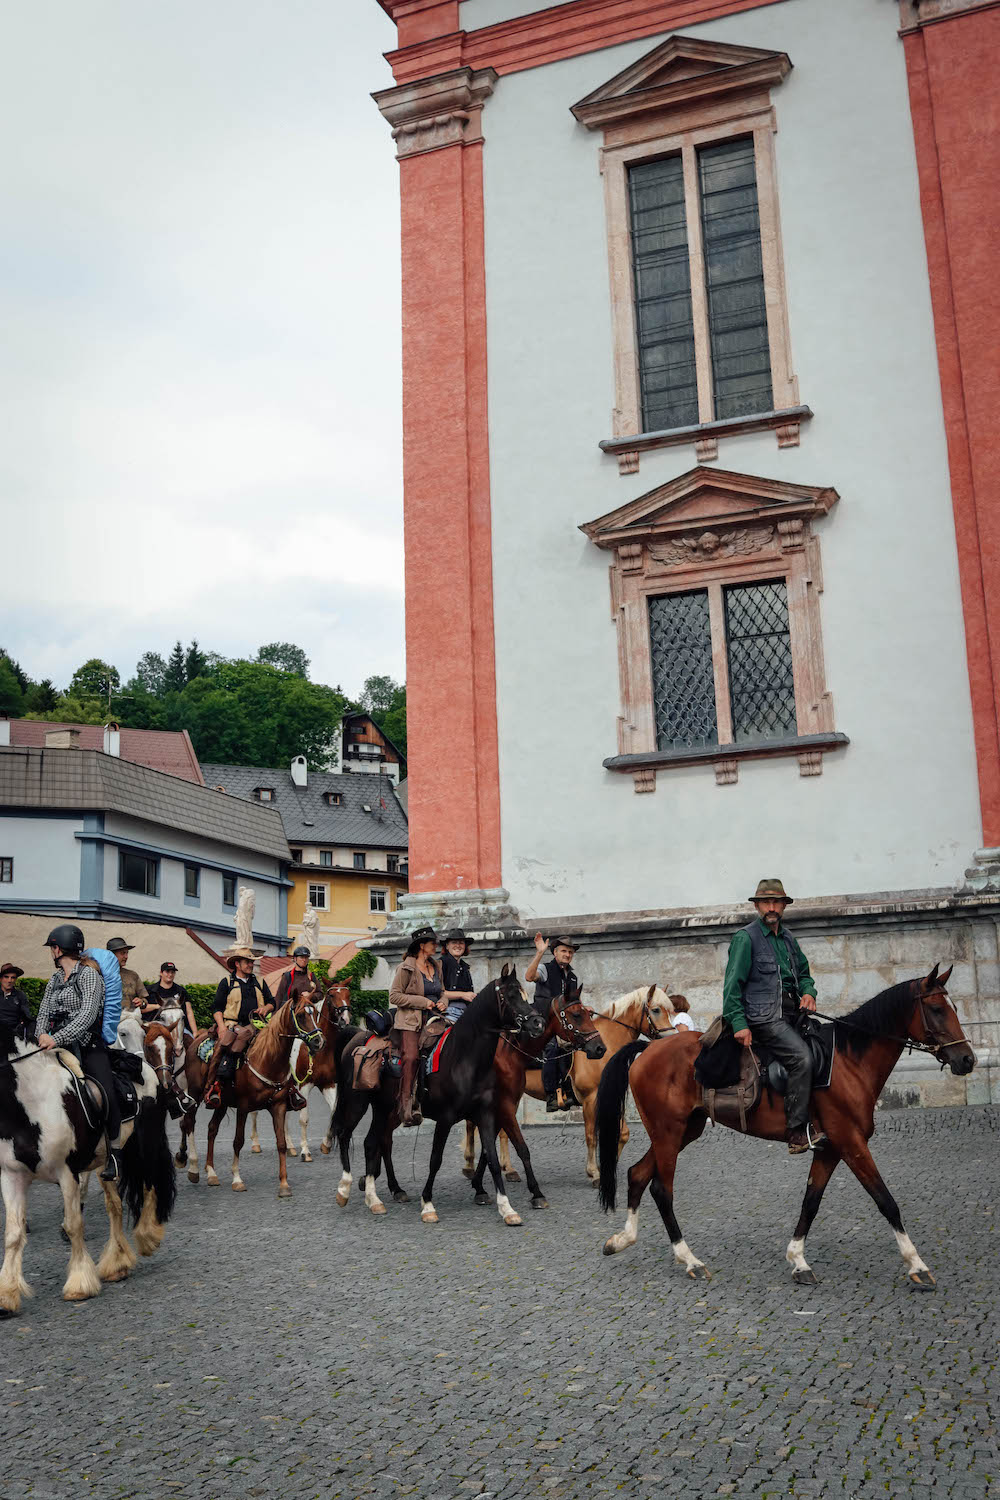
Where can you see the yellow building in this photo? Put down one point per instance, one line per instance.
(348, 836)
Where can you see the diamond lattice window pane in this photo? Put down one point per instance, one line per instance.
(680, 639)
(761, 685)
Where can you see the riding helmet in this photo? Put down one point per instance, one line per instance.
(377, 1022)
(300, 952)
(67, 937)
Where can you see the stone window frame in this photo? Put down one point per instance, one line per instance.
(323, 888)
(705, 530)
(683, 94)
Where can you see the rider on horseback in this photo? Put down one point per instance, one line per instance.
(237, 1000)
(71, 1015)
(552, 980)
(767, 984)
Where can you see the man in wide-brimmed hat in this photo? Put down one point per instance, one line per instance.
(15, 1012)
(767, 984)
(133, 989)
(238, 1000)
(552, 980)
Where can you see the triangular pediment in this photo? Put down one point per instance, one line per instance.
(678, 70)
(703, 497)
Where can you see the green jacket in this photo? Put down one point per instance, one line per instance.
(738, 971)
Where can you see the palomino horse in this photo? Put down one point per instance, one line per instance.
(642, 1012)
(869, 1041)
(569, 1019)
(262, 1082)
(465, 1084)
(48, 1135)
(319, 1072)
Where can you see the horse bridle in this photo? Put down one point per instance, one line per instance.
(309, 1037)
(573, 1033)
(934, 1049)
(656, 1033)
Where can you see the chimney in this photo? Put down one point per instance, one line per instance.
(300, 772)
(62, 739)
(112, 739)
(4, 730)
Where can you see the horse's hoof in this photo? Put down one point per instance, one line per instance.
(377, 1208)
(293, 1150)
(595, 1182)
(513, 1220)
(402, 1197)
(804, 1278)
(120, 1275)
(481, 1199)
(429, 1218)
(239, 1187)
(469, 1172)
(284, 1191)
(609, 1248)
(923, 1281)
(78, 1296)
(179, 1160)
(342, 1200)
(255, 1150)
(699, 1273)
(325, 1149)
(194, 1177)
(539, 1203)
(213, 1181)
(512, 1175)
(306, 1160)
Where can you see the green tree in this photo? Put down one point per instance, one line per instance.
(286, 657)
(41, 697)
(151, 671)
(11, 696)
(72, 710)
(175, 677)
(194, 662)
(385, 700)
(95, 679)
(24, 682)
(138, 708)
(251, 714)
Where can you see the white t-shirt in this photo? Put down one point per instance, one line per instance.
(683, 1021)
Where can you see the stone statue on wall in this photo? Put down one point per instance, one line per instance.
(310, 929)
(244, 917)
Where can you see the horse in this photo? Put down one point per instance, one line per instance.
(568, 1018)
(465, 1084)
(319, 1072)
(262, 1081)
(352, 1106)
(642, 1012)
(49, 1134)
(868, 1042)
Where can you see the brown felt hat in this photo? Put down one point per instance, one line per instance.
(12, 969)
(119, 945)
(231, 954)
(771, 890)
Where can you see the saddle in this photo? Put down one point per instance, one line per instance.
(733, 1078)
(434, 1029)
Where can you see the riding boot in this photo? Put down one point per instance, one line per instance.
(213, 1088)
(112, 1169)
(552, 1104)
(409, 1114)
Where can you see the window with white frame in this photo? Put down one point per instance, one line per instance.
(377, 898)
(6, 869)
(317, 896)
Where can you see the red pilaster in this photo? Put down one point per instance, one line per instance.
(951, 65)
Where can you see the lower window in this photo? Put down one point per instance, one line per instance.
(137, 873)
(377, 900)
(192, 880)
(6, 869)
(317, 897)
(229, 890)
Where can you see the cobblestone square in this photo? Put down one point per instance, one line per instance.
(275, 1348)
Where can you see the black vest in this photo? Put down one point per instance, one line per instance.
(553, 986)
(456, 973)
(762, 992)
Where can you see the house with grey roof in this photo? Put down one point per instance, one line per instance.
(87, 835)
(348, 837)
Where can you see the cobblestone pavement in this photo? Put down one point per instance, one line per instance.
(292, 1347)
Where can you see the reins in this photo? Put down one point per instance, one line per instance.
(910, 1043)
(12, 1062)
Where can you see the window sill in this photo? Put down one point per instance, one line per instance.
(809, 748)
(192, 900)
(705, 436)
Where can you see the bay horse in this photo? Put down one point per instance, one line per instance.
(48, 1135)
(465, 1084)
(642, 1012)
(868, 1043)
(569, 1019)
(262, 1082)
(316, 1072)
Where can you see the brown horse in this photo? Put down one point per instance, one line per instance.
(642, 1012)
(316, 1072)
(869, 1042)
(262, 1082)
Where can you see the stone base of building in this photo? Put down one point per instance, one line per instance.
(857, 946)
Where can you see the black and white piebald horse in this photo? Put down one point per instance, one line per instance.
(49, 1134)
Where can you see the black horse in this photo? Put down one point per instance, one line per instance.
(351, 1107)
(465, 1084)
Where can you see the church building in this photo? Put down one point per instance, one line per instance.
(700, 320)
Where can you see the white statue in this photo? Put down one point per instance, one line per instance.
(244, 917)
(310, 929)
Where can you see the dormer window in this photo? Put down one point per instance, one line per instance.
(333, 799)
(264, 793)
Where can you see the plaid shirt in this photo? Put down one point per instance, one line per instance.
(71, 1008)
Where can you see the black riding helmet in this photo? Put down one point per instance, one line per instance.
(377, 1022)
(67, 937)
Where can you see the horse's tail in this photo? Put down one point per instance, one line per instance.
(611, 1094)
(147, 1163)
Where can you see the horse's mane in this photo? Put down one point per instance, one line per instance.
(267, 1042)
(484, 1005)
(615, 1009)
(885, 1014)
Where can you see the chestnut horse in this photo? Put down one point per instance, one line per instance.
(262, 1082)
(868, 1041)
(334, 1014)
(642, 1012)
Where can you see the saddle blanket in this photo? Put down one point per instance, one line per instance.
(433, 1060)
(206, 1048)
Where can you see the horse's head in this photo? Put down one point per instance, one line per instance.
(517, 1016)
(935, 1023)
(574, 1022)
(337, 1001)
(303, 1013)
(657, 1013)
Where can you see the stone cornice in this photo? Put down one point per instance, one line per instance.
(445, 110)
(913, 14)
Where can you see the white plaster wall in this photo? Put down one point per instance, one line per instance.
(898, 809)
(46, 857)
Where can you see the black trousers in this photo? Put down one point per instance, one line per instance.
(555, 1065)
(97, 1064)
(781, 1038)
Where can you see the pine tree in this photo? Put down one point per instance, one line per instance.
(175, 676)
(194, 662)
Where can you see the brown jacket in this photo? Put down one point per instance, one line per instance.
(407, 995)
(133, 989)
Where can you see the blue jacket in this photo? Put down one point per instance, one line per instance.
(111, 970)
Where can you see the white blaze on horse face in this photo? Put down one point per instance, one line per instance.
(908, 1251)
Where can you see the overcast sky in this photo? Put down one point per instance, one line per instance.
(199, 367)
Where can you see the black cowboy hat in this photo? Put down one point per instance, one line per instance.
(422, 935)
(12, 969)
(119, 945)
(456, 935)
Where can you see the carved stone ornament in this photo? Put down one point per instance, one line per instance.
(445, 110)
(708, 545)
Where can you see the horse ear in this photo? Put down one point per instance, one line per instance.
(652, 992)
(942, 979)
(513, 971)
(504, 971)
(931, 979)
